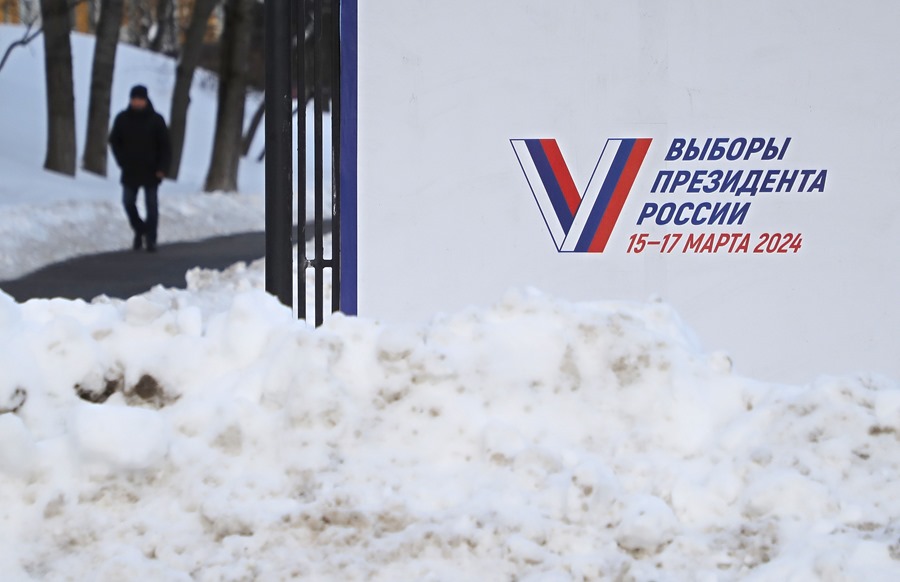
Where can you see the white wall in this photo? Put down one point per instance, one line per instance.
(447, 218)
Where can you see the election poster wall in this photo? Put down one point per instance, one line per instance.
(737, 160)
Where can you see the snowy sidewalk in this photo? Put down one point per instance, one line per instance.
(126, 273)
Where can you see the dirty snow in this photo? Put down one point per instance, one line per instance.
(203, 434)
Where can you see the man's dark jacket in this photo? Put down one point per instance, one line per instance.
(140, 144)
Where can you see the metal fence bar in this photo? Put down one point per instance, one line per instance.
(287, 19)
(278, 148)
(302, 259)
(319, 157)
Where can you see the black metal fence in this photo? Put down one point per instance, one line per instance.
(302, 62)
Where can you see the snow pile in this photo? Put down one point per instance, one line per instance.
(215, 289)
(194, 435)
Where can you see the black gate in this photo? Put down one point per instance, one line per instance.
(303, 62)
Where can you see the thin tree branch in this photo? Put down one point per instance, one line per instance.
(29, 36)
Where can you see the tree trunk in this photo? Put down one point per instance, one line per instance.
(164, 39)
(255, 122)
(226, 155)
(95, 147)
(140, 19)
(61, 149)
(184, 77)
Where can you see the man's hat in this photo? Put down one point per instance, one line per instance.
(139, 92)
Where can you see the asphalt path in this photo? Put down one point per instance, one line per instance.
(125, 273)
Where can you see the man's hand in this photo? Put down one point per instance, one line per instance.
(160, 174)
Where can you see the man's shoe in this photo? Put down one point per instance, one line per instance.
(138, 242)
(151, 247)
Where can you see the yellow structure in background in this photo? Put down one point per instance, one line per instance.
(82, 21)
(10, 12)
(184, 9)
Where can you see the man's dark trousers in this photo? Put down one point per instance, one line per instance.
(146, 227)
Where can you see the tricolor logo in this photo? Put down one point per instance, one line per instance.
(581, 223)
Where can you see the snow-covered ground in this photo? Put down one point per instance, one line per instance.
(533, 440)
(202, 434)
(36, 235)
(47, 217)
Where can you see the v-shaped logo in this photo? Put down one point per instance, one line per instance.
(581, 223)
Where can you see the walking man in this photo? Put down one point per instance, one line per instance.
(140, 144)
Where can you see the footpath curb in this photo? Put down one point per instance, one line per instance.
(125, 273)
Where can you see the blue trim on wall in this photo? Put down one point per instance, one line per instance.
(349, 94)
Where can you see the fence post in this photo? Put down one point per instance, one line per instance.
(302, 259)
(278, 148)
(318, 34)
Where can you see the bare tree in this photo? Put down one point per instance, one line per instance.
(255, 122)
(140, 20)
(30, 33)
(61, 149)
(233, 70)
(184, 77)
(164, 37)
(95, 148)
